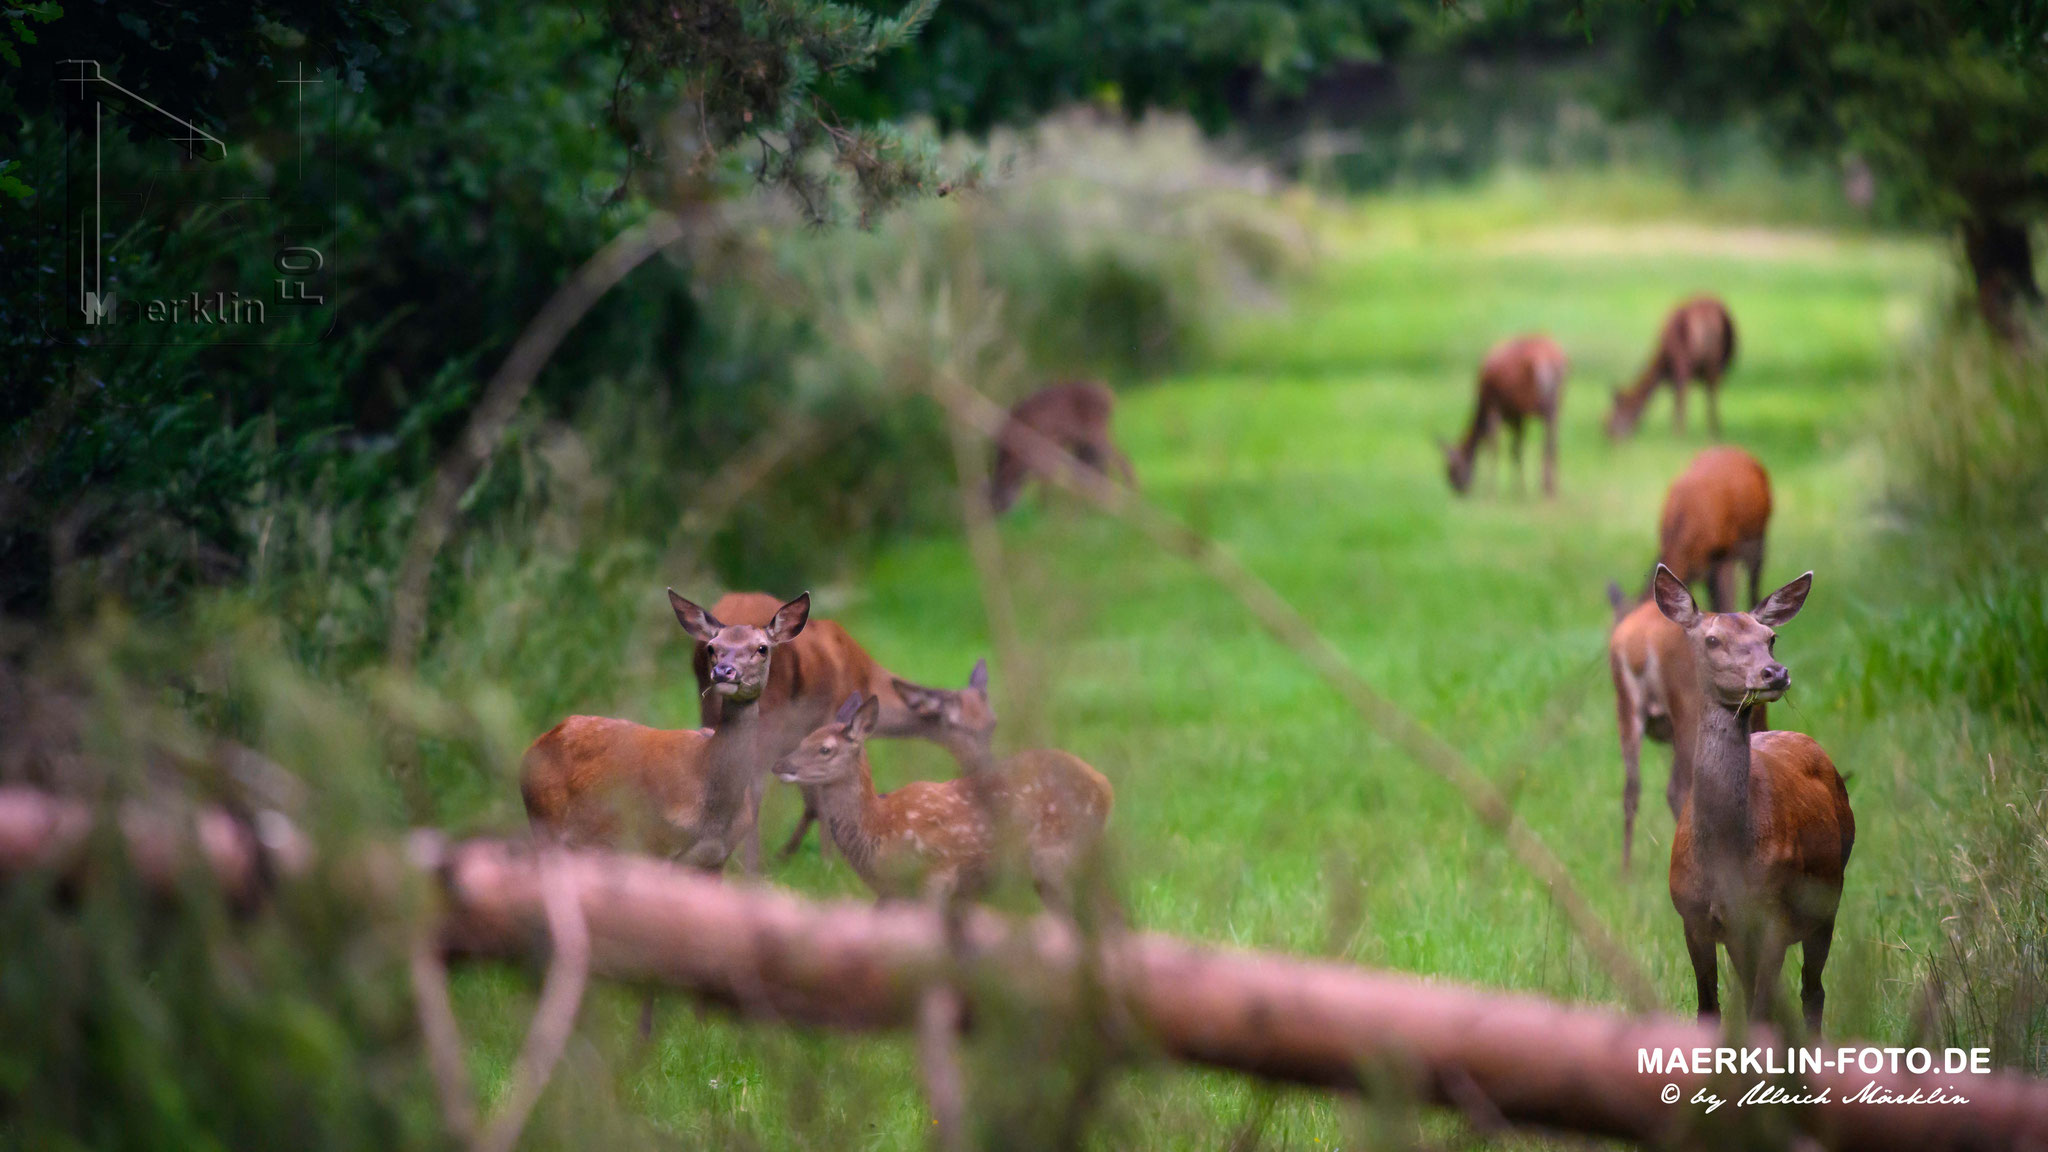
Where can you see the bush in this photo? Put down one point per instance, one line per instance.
(1967, 435)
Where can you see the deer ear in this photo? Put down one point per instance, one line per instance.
(863, 723)
(978, 679)
(789, 620)
(1785, 603)
(1674, 599)
(701, 625)
(1615, 597)
(847, 709)
(927, 702)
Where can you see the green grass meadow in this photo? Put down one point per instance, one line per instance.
(1253, 808)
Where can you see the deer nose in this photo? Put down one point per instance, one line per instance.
(1777, 676)
(724, 672)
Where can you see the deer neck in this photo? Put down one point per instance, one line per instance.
(897, 720)
(1482, 419)
(733, 755)
(851, 812)
(1724, 827)
(1637, 394)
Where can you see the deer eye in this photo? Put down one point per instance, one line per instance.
(763, 650)
(1713, 641)
(828, 748)
(1772, 643)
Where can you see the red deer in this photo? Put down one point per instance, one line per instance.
(940, 838)
(1520, 378)
(1764, 838)
(1655, 698)
(819, 669)
(683, 794)
(1714, 519)
(1074, 417)
(1696, 343)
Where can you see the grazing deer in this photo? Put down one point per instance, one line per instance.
(819, 669)
(1697, 342)
(683, 794)
(1074, 417)
(1520, 378)
(1762, 843)
(1657, 698)
(1714, 518)
(941, 837)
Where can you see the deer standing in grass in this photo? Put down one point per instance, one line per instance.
(596, 781)
(1074, 417)
(1714, 519)
(816, 671)
(1656, 697)
(940, 838)
(1764, 838)
(1697, 342)
(1519, 379)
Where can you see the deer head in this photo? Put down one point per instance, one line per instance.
(833, 752)
(960, 720)
(1733, 649)
(1457, 466)
(738, 654)
(1621, 419)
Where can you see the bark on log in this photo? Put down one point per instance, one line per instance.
(775, 956)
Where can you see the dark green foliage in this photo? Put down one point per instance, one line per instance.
(983, 63)
(1946, 100)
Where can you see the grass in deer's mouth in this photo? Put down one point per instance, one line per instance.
(1252, 807)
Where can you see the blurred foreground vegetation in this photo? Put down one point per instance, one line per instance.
(198, 545)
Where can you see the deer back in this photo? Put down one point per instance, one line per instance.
(600, 782)
(1722, 499)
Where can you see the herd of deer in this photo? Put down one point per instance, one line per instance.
(1764, 828)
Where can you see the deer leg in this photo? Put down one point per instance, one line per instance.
(1515, 456)
(1814, 957)
(1754, 557)
(803, 828)
(1629, 718)
(1706, 972)
(1768, 961)
(1550, 454)
(1721, 584)
(1678, 382)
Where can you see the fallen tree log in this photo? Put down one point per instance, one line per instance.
(772, 955)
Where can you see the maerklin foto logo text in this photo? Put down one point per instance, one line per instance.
(194, 308)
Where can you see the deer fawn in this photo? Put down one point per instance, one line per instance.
(1074, 417)
(1762, 843)
(816, 671)
(1697, 342)
(941, 837)
(1656, 697)
(595, 781)
(1520, 378)
(1714, 519)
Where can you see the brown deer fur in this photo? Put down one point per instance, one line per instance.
(1655, 698)
(594, 781)
(940, 837)
(820, 668)
(1519, 379)
(1074, 416)
(1762, 842)
(1697, 342)
(1714, 518)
